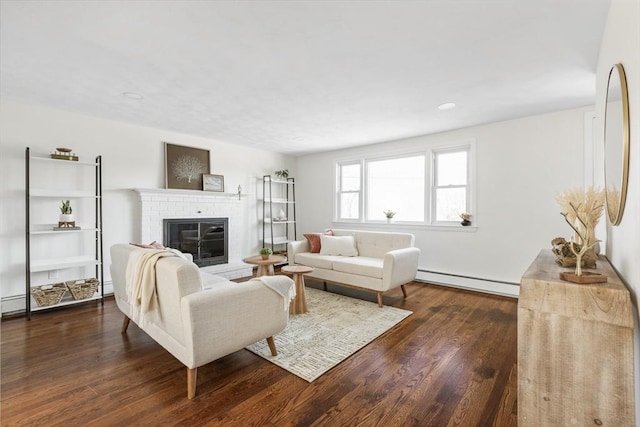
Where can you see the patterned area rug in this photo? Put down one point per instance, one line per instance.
(334, 328)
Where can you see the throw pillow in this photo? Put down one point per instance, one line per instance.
(338, 245)
(314, 240)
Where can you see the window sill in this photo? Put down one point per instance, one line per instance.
(406, 225)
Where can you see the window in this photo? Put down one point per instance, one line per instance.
(396, 184)
(348, 189)
(450, 184)
(429, 187)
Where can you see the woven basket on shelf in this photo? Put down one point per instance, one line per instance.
(83, 288)
(47, 295)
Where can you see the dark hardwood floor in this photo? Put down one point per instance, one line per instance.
(453, 362)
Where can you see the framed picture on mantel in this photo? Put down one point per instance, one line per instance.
(184, 166)
(213, 182)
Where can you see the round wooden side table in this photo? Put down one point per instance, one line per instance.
(299, 303)
(265, 266)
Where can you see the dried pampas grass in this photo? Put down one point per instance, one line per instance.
(583, 208)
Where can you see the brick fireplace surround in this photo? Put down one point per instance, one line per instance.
(159, 204)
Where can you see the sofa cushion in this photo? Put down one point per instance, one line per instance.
(316, 260)
(338, 245)
(209, 281)
(362, 266)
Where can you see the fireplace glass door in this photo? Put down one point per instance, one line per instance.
(205, 239)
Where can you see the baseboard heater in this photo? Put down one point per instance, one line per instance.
(491, 286)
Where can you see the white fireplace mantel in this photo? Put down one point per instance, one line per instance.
(194, 193)
(157, 204)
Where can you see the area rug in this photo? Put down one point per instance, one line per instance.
(334, 328)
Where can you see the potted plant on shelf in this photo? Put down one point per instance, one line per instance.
(389, 214)
(282, 174)
(66, 212)
(265, 253)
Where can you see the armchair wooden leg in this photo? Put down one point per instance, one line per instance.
(404, 291)
(380, 299)
(191, 382)
(125, 324)
(272, 346)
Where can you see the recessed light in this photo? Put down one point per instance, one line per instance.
(133, 95)
(447, 106)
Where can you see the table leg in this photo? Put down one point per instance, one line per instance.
(262, 271)
(299, 304)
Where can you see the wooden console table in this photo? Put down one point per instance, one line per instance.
(575, 349)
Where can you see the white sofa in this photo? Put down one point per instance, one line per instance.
(200, 317)
(384, 261)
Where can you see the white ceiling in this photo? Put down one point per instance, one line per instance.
(305, 76)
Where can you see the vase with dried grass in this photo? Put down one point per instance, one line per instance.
(582, 210)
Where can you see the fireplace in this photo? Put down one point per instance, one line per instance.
(205, 238)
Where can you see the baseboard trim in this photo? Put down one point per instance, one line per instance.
(15, 304)
(494, 287)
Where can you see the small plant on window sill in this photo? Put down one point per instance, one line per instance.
(466, 218)
(389, 214)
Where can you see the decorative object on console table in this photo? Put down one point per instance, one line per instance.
(566, 258)
(575, 349)
(213, 182)
(184, 166)
(466, 219)
(582, 211)
(63, 153)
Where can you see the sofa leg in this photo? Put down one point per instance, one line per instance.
(272, 346)
(404, 291)
(125, 324)
(325, 286)
(191, 382)
(380, 299)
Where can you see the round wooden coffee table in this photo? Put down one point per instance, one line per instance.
(265, 266)
(299, 303)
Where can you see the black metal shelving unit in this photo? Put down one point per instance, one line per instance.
(38, 265)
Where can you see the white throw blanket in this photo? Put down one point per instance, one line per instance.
(141, 282)
(282, 285)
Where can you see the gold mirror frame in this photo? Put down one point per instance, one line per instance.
(616, 143)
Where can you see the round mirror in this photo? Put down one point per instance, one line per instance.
(616, 144)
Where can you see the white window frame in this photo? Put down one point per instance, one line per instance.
(339, 191)
(365, 177)
(434, 171)
(430, 151)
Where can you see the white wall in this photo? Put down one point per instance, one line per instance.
(521, 165)
(133, 157)
(621, 44)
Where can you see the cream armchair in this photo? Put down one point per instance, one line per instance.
(200, 317)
